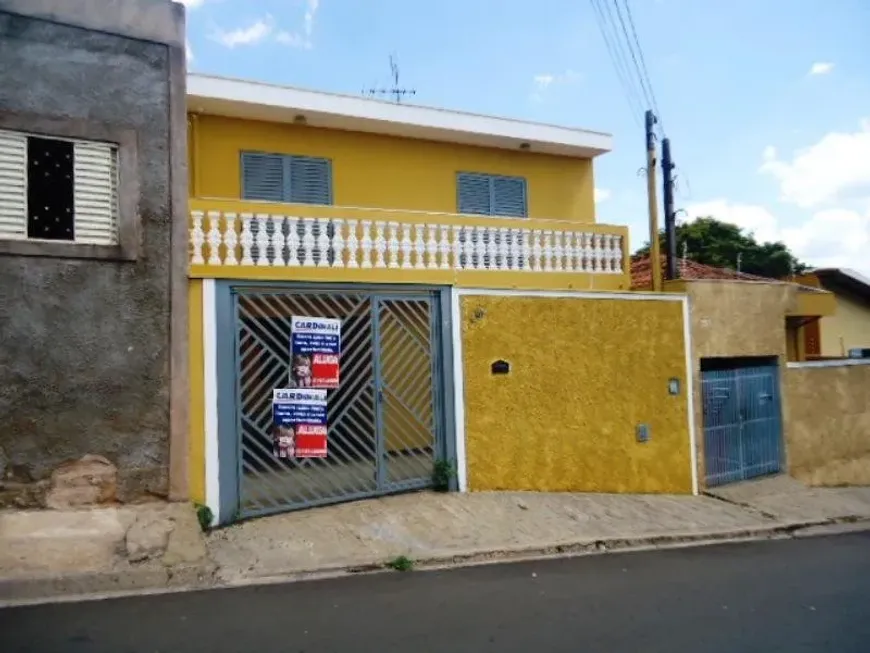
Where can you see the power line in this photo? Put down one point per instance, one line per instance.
(642, 58)
(647, 95)
(620, 63)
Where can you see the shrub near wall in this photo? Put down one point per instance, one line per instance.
(827, 422)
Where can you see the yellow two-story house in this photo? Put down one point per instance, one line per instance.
(445, 244)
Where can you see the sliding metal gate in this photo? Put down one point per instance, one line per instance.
(742, 423)
(385, 420)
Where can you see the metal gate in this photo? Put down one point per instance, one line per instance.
(742, 423)
(386, 426)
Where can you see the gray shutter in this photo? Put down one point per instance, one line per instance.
(263, 177)
(509, 196)
(473, 192)
(310, 180)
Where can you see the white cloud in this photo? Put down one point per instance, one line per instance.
(191, 4)
(832, 238)
(188, 51)
(832, 171)
(250, 35)
(301, 39)
(602, 194)
(829, 238)
(545, 81)
(821, 68)
(824, 192)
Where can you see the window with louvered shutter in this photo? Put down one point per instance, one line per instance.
(262, 177)
(496, 195)
(58, 189)
(286, 178)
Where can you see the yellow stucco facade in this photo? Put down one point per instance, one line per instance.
(585, 372)
(380, 179)
(386, 172)
(848, 328)
(196, 460)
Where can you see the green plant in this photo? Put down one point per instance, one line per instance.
(402, 563)
(204, 515)
(443, 471)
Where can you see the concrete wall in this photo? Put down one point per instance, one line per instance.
(585, 372)
(387, 172)
(731, 319)
(827, 424)
(94, 349)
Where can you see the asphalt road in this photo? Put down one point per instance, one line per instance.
(792, 595)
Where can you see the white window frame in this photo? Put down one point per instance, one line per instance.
(121, 240)
(94, 164)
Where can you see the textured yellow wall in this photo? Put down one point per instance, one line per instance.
(584, 373)
(827, 424)
(848, 328)
(387, 172)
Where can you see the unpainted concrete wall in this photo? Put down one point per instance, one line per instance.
(584, 374)
(85, 362)
(734, 319)
(827, 424)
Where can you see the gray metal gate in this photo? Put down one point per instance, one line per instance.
(742, 423)
(386, 424)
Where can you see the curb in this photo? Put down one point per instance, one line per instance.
(150, 580)
(564, 549)
(104, 584)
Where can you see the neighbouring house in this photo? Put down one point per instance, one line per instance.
(486, 318)
(93, 241)
(812, 303)
(761, 407)
(847, 331)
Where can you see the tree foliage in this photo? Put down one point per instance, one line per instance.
(712, 242)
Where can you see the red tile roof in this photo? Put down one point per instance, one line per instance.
(641, 273)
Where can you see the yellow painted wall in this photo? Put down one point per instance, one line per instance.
(848, 328)
(197, 394)
(584, 373)
(377, 171)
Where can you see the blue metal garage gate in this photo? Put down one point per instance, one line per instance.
(742, 421)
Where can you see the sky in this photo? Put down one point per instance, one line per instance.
(766, 102)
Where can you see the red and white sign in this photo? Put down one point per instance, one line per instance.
(311, 441)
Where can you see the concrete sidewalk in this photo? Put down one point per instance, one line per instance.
(49, 554)
(53, 553)
(436, 529)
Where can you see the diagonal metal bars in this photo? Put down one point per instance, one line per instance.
(406, 377)
(382, 418)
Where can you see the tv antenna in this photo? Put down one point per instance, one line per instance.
(396, 91)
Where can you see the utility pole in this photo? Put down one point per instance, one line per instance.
(654, 248)
(670, 213)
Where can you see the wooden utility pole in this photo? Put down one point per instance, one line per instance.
(655, 258)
